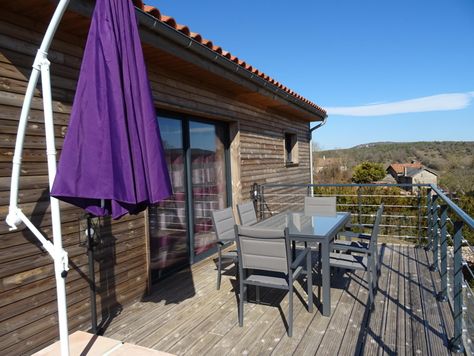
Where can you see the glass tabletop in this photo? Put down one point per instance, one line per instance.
(307, 225)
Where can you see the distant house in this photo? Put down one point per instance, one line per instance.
(329, 162)
(412, 173)
(398, 169)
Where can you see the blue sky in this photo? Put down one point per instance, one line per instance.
(385, 70)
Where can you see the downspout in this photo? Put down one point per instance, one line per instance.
(311, 150)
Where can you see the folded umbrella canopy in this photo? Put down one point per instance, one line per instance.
(112, 161)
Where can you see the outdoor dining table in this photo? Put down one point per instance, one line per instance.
(320, 229)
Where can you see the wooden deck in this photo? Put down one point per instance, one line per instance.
(187, 315)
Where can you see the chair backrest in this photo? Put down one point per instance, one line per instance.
(376, 228)
(224, 223)
(263, 249)
(247, 214)
(320, 205)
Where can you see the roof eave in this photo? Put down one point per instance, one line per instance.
(163, 29)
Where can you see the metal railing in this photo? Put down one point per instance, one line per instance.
(422, 214)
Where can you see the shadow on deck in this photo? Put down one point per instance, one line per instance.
(407, 318)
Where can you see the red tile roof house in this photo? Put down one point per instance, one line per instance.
(224, 124)
(412, 173)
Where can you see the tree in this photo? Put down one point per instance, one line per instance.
(368, 172)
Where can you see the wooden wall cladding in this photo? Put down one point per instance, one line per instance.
(28, 312)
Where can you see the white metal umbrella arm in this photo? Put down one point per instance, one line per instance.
(41, 65)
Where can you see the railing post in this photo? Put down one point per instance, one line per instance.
(309, 191)
(262, 202)
(455, 344)
(428, 220)
(419, 216)
(435, 233)
(443, 294)
(255, 197)
(359, 204)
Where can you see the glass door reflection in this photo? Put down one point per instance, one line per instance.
(169, 247)
(208, 180)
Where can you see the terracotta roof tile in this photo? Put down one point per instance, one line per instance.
(153, 11)
(184, 29)
(207, 43)
(399, 168)
(217, 49)
(168, 20)
(196, 36)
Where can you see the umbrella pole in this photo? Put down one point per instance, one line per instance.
(15, 215)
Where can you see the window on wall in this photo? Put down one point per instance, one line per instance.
(291, 148)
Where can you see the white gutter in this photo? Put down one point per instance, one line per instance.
(311, 150)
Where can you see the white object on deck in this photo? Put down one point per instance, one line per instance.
(15, 216)
(83, 343)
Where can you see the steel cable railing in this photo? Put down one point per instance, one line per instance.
(416, 213)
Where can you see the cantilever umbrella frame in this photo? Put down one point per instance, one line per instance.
(130, 122)
(15, 216)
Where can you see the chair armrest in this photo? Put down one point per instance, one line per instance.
(297, 272)
(353, 235)
(297, 262)
(344, 247)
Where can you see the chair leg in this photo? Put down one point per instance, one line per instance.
(293, 250)
(219, 267)
(245, 298)
(290, 311)
(241, 303)
(375, 274)
(370, 285)
(309, 281)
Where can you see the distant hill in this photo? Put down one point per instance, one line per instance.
(452, 160)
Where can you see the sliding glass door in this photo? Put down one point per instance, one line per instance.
(168, 220)
(181, 227)
(208, 180)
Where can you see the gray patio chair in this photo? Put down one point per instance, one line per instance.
(357, 242)
(320, 206)
(266, 254)
(224, 223)
(365, 262)
(247, 214)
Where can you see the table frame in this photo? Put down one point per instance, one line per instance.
(325, 242)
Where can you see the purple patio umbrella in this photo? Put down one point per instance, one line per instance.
(112, 161)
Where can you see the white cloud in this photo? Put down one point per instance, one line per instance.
(441, 102)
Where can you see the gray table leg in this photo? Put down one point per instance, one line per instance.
(326, 281)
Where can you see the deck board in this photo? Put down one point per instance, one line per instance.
(401, 320)
(435, 329)
(419, 340)
(334, 333)
(187, 315)
(390, 329)
(374, 330)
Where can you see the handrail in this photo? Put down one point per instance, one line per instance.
(272, 185)
(433, 206)
(453, 206)
(459, 212)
